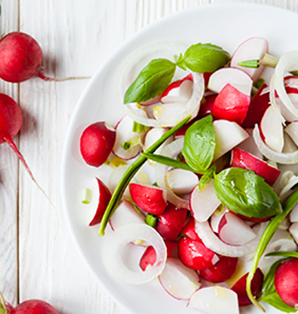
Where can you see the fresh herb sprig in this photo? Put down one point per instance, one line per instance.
(158, 73)
(129, 174)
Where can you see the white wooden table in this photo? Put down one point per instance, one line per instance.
(38, 258)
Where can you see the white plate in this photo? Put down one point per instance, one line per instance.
(226, 25)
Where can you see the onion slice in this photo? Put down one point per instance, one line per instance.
(189, 108)
(282, 158)
(114, 253)
(171, 150)
(213, 243)
(288, 62)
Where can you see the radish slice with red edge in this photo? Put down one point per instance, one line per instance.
(233, 76)
(211, 241)
(288, 62)
(251, 49)
(271, 127)
(171, 150)
(190, 108)
(114, 253)
(282, 158)
(178, 280)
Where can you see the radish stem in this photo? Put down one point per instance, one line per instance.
(129, 174)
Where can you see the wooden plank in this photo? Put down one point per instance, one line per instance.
(76, 38)
(8, 179)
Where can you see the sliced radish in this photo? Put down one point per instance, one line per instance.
(171, 222)
(227, 135)
(103, 200)
(178, 280)
(294, 214)
(231, 104)
(288, 62)
(289, 145)
(152, 136)
(256, 287)
(149, 256)
(150, 199)
(207, 105)
(125, 214)
(179, 91)
(216, 217)
(171, 150)
(242, 159)
(215, 300)
(294, 231)
(171, 117)
(292, 130)
(195, 255)
(272, 128)
(128, 143)
(182, 181)
(258, 105)
(282, 158)
(215, 244)
(233, 76)
(203, 202)
(250, 146)
(189, 230)
(221, 271)
(114, 250)
(234, 231)
(252, 49)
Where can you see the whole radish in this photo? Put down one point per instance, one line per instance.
(285, 281)
(27, 307)
(21, 57)
(10, 124)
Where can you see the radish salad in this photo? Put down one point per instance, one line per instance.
(218, 227)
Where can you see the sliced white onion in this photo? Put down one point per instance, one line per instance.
(171, 150)
(213, 243)
(282, 158)
(114, 253)
(191, 107)
(287, 63)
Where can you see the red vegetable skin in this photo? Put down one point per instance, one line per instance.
(103, 201)
(231, 104)
(194, 254)
(221, 271)
(171, 222)
(149, 256)
(34, 307)
(21, 57)
(96, 143)
(256, 287)
(285, 281)
(10, 124)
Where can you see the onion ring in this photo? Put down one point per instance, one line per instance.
(113, 251)
(282, 158)
(171, 150)
(213, 243)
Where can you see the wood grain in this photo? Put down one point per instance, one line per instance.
(38, 256)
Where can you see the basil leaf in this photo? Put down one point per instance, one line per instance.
(207, 177)
(199, 144)
(153, 79)
(246, 193)
(205, 58)
(274, 300)
(167, 161)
